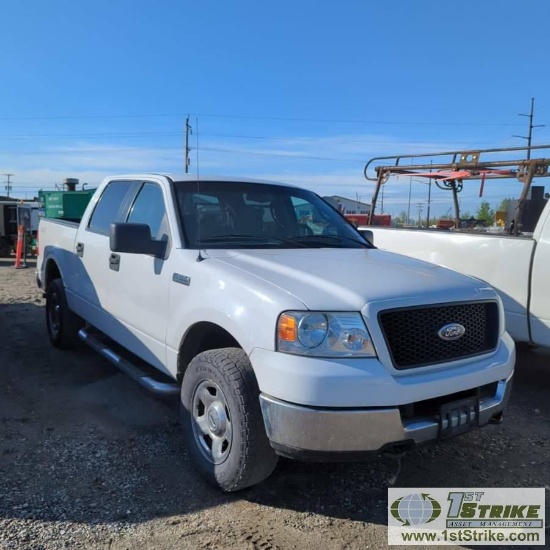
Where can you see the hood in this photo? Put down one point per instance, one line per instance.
(347, 279)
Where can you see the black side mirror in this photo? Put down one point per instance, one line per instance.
(135, 238)
(367, 234)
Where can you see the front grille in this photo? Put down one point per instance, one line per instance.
(412, 334)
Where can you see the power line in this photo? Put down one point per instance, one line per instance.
(178, 149)
(92, 135)
(91, 117)
(353, 121)
(289, 139)
(251, 117)
(212, 149)
(232, 136)
(338, 140)
(317, 140)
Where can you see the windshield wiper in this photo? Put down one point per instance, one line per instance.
(330, 240)
(246, 238)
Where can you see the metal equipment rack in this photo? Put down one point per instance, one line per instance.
(449, 169)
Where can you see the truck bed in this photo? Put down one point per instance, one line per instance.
(60, 236)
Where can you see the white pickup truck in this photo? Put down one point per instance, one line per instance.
(516, 266)
(283, 330)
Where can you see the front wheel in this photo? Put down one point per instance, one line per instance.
(62, 324)
(222, 421)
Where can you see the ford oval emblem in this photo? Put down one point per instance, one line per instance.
(450, 332)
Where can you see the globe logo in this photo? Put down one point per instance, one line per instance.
(415, 509)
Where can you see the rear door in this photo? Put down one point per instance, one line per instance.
(92, 253)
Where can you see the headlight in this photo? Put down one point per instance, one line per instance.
(323, 334)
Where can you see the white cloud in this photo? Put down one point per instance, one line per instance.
(328, 165)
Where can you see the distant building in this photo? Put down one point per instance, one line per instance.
(348, 207)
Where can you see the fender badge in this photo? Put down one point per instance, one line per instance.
(181, 279)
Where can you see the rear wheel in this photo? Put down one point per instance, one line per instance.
(62, 324)
(222, 421)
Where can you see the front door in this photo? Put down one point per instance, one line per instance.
(139, 284)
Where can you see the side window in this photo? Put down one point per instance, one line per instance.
(107, 207)
(149, 208)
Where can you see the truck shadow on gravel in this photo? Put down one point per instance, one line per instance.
(80, 442)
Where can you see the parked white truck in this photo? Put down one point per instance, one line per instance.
(516, 265)
(283, 330)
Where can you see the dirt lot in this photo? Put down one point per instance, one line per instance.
(88, 460)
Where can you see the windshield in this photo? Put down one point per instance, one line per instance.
(254, 215)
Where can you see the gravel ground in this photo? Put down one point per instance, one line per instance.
(88, 460)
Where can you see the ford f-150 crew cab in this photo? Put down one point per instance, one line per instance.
(282, 329)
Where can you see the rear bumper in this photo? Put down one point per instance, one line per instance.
(306, 432)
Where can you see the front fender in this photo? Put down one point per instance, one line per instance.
(245, 306)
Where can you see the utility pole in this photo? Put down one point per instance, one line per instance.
(531, 126)
(8, 184)
(429, 201)
(419, 207)
(188, 130)
(409, 203)
(429, 198)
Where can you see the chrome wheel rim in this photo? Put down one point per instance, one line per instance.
(211, 422)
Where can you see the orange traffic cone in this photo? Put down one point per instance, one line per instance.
(19, 260)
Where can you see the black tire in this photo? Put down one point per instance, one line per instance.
(220, 392)
(62, 324)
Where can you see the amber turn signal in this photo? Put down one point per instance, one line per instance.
(286, 329)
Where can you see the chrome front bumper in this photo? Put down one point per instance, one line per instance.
(292, 427)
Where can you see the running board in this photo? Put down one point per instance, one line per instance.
(144, 380)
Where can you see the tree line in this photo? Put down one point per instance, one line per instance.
(484, 214)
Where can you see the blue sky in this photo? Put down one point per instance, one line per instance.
(304, 92)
